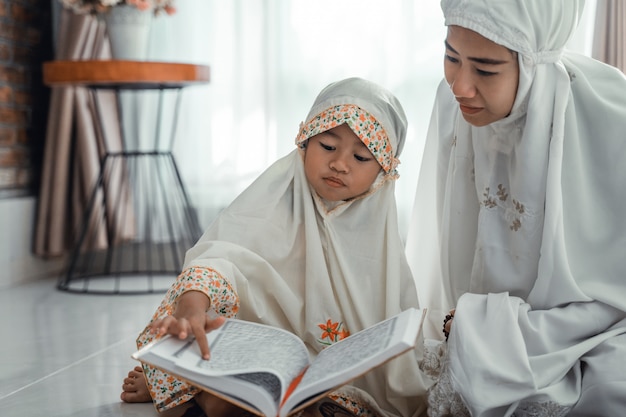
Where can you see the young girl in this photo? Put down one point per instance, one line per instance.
(519, 216)
(312, 246)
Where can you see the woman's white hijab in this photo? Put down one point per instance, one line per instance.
(297, 261)
(525, 213)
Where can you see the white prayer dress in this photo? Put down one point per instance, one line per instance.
(280, 255)
(520, 226)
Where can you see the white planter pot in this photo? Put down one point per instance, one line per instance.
(128, 30)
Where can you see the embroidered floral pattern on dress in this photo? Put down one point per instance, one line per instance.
(167, 391)
(332, 332)
(363, 124)
(353, 405)
(514, 210)
(432, 358)
(541, 409)
(443, 400)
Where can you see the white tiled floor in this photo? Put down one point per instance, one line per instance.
(65, 354)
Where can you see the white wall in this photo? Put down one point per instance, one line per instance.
(17, 263)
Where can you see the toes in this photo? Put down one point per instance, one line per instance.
(128, 397)
(129, 381)
(136, 372)
(135, 397)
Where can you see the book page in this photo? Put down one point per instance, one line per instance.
(351, 357)
(341, 356)
(244, 347)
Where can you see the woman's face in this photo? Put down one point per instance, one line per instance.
(338, 165)
(482, 75)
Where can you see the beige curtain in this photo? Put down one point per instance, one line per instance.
(609, 40)
(73, 145)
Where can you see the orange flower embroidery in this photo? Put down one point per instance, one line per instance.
(329, 330)
(332, 332)
(343, 334)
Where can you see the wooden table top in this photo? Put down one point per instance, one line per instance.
(123, 74)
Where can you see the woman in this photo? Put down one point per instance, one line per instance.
(518, 233)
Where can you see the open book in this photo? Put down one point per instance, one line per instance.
(268, 371)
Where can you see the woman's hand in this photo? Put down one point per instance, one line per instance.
(190, 317)
(447, 323)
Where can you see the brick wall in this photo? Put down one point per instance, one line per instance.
(25, 43)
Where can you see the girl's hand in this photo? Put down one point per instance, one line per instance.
(190, 317)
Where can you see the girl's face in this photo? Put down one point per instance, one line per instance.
(482, 75)
(338, 165)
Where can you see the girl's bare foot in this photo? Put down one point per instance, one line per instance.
(134, 389)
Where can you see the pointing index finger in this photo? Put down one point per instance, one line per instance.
(203, 343)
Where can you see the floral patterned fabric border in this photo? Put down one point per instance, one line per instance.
(362, 123)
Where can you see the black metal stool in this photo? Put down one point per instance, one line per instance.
(139, 221)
